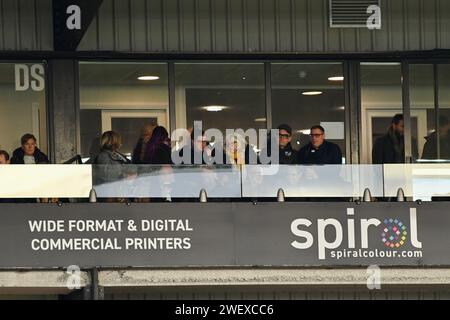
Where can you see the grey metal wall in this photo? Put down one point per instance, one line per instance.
(261, 26)
(26, 25)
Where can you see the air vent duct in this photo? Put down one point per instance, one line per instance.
(350, 13)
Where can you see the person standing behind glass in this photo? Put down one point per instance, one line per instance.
(141, 145)
(29, 153)
(390, 148)
(158, 150)
(108, 170)
(430, 147)
(109, 150)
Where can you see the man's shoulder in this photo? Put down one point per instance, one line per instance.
(17, 152)
(331, 145)
(383, 138)
(104, 155)
(305, 148)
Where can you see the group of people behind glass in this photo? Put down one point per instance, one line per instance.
(154, 147)
(390, 148)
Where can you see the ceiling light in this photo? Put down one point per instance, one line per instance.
(148, 78)
(311, 93)
(304, 131)
(337, 78)
(380, 63)
(214, 108)
(260, 120)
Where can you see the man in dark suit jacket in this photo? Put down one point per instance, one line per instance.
(319, 151)
(390, 148)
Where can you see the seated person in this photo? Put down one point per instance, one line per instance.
(29, 153)
(4, 157)
(319, 151)
(287, 155)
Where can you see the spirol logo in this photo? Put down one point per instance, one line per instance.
(394, 233)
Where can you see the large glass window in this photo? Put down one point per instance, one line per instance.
(423, 135)
(381, 99)
(305, 94)
(444, 111)
(22, 104)
(122, 97)
(221, 95)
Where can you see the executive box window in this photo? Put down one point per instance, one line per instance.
(421, 88)
(444, 111)
(22, 104)
(381, 99)
(306, 94)
(123, 97)
(221, 95)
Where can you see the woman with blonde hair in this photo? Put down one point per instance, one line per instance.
(108, 171)
(110, 144)
(235, 149)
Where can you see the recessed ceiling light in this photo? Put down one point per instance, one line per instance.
(214, 108)
(148, 78)
(380, 63)
(304, 131)
(260, 120)
(337, 78)
(311, 93)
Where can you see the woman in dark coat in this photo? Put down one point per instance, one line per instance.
(158, 150)
(141, 145)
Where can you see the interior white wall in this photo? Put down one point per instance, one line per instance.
(117, 97)
(16, 117)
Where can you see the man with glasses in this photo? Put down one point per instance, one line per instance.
(318, 150)
(287, 155)
(200, 151)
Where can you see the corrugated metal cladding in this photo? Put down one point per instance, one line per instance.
(285, 295)
(262, 26)
(26, 25)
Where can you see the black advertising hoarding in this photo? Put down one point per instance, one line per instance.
(224, 234)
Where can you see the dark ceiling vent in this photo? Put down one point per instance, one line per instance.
(350, 13)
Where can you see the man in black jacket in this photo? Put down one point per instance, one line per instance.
(390, 148)
(287, 155)
(319, 151)
(28, 153)
(430, 147)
